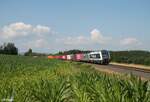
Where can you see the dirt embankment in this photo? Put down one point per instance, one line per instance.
(118, 69)
(131, 65)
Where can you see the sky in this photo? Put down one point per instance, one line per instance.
(56, 25)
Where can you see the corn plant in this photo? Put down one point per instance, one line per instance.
(28, 79)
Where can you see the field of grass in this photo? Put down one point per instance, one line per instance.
(28, 79)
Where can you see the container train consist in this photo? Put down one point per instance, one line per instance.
(99, 57)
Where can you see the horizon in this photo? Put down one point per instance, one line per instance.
(82, 50)
(51, 26)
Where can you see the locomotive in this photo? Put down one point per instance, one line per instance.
(98, 57)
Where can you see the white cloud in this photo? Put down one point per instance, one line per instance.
(79, 40)
(15, 29)
(19, 29)
(129, 41)
(39, 37)
(97, 37)
(39, 43)
(41, 29)
(26, 36)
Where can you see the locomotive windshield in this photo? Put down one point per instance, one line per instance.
(95, 56)
(105, 54)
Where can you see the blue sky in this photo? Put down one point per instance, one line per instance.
(53, 25)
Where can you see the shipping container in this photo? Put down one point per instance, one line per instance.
(64, 57)
(72, 56)
(57, 57)
(78, 57)
(60, 57)
(68, 57)
(50, 57)
(85, 57)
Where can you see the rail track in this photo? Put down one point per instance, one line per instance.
(134, 68)
(144, 73)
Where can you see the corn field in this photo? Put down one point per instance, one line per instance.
(29, 79)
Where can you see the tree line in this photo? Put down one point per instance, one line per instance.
(8, 48)
(11, 49)
(135, 57)
(74, 51)
(31, 53)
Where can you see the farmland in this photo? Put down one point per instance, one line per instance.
(29, 79)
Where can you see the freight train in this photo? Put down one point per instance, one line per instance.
(98, 57)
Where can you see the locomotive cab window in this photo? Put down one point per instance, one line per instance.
(95, 56)
(104, 53)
